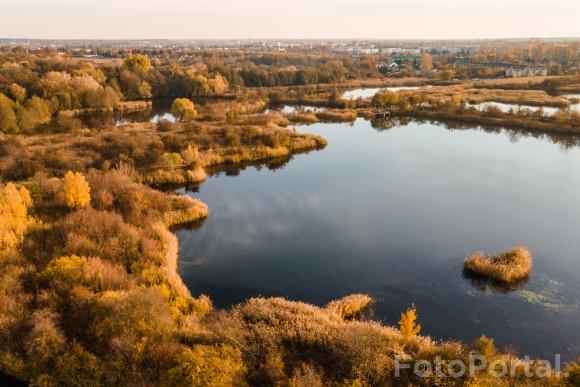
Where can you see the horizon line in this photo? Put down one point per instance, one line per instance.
(294, 39)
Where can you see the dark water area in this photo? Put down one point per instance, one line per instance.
(393, 213)
(160, 110)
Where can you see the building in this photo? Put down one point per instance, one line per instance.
(413, 59)
(459, 50)
(400, 51)
(529, 71)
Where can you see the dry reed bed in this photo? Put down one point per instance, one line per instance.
(351, 84)
(146, 146)
(445, 94)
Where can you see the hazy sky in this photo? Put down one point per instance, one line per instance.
(289, 18)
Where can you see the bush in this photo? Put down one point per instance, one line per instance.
(573, 377)
(208, 366)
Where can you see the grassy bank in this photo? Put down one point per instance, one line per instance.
(474, 116)
(465, 93)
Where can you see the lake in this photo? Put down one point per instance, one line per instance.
(393, 213)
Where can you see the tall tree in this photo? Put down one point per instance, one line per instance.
(183, 109)
(77, 192)
(8, 121)
(426, 64)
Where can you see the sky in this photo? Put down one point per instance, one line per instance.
(243, 19)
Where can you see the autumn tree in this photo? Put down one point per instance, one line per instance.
(426, 64)
(218, 85)
(54, 82)
(384, 99)
(14, 219)
(408, 325)
(200, 86)
(133, 86)
(96, 74)
(138, 63)
(445, 75)
(8, 120)
(35, 112)
(76, 190)
(183, 109)
(172, 160)
(17, 92)
(335, 98)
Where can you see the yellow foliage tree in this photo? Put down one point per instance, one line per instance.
(77, 192)
(408, 325)
(218, 85)
(183, 109)
(14, 217)
(426, 64)
(138, 63)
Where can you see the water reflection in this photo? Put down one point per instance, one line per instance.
(507, 107)
(566, 141)
(159, 110)
(368, 92)
(288, 109)
(487, 284)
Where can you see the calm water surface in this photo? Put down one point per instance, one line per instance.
(288, 109)
(369, 92)
(393, 214)
(505, 107)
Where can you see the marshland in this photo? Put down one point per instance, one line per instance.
(243, 221)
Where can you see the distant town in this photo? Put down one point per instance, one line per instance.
(508, 58)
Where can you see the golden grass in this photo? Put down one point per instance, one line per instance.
(192, 211)
(464, 93)
(511, 265)
(328, 115)
(350, 307)
(196, 175)
(303, 118)
(133, 105)
(515, 81)
(351, 84)
(337, 115)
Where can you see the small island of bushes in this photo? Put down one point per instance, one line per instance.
(509, 266)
